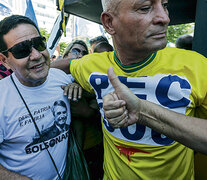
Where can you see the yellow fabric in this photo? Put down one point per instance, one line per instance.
(173, 78)
(61, 6)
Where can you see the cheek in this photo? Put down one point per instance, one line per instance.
(46, 55)
(17, 65)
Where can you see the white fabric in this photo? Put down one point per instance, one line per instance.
(17, 129)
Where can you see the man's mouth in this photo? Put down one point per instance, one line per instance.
(37, 66)
(159, 35)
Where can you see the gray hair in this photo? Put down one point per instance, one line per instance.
(105, 4)
(109, 4)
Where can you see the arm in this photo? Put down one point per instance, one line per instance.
(122, 108)
(6, 174)
(82, 108)
(62, 64)
(83, 112)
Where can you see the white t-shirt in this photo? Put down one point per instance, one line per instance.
(21, 150)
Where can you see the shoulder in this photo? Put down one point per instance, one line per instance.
(56, 71)
(5, 83)
(183, 56)
(181, 52)
(91, 61)
(93, 57)
(59, 75)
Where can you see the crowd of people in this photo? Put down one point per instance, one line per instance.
(138, 108)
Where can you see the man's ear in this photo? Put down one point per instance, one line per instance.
(107, 19)
(3, 60)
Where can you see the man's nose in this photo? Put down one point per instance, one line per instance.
(161, 15)
(35, 54)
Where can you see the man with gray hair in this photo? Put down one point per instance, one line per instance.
(170, 77)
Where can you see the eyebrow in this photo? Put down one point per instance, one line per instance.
(140, 2)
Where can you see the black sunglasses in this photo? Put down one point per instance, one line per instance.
(24, 48)
(77, 51)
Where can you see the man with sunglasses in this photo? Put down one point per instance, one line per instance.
(75, 50)
(24, 49)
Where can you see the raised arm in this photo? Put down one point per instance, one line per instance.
(6, 174)
(122, 108)
(62, 64)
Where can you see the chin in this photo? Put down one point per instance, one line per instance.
(159, 46)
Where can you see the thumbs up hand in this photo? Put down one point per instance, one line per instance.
(121, 107)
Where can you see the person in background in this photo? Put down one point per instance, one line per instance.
(76, 50)
(24, 50)
(88, 134)
(93, 42)
(4, 71)
(103, 47)
(56, 54)
(184, 42)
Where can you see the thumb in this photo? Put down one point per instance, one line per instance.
(114, 79)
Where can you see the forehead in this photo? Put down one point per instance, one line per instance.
(79, 46)
(131, 3)
(20, 33)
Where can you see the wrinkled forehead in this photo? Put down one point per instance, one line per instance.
(20, 33)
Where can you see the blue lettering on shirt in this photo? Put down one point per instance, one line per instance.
(169, 91)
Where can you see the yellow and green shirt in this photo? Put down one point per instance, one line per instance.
(173, 78)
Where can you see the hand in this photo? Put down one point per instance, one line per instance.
(73, 91)
(121, 108)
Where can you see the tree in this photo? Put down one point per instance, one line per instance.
(63, 45)
(44, 33)
(175, 31)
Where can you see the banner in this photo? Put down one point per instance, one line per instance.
(5, 10)
(30, 12)
(61, 7)
(56, 33)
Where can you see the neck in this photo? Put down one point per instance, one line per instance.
(32, 83)
(131, 58)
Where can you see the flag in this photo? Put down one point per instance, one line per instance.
(61, 7)
(4, 10)
(30, 12)
(56, 33)
(75, 27)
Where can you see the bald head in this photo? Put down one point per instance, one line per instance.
(110, 5)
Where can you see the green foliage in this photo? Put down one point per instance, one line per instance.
(44, 33)
(175, 31)
(63, 45)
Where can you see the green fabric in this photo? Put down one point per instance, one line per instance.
(76, 166)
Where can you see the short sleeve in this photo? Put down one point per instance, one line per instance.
(71, 77)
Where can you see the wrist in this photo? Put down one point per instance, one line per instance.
(140, 111)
